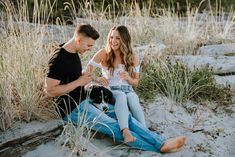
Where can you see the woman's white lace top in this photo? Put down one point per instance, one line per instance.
(114, 80)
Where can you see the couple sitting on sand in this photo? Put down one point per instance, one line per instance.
(120, 68)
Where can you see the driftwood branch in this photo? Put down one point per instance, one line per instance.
(15, 142)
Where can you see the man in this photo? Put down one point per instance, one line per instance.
(65, 78)
(66, 81)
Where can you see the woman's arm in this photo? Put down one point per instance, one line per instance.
(134, 79)
(96, 60)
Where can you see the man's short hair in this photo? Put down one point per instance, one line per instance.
(86, 30)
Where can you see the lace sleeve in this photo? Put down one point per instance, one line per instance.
(136, 69)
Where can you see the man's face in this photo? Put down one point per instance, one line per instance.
(84, 44)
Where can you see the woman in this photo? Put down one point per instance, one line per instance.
(120, 69)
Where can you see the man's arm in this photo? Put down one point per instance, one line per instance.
(53, 88)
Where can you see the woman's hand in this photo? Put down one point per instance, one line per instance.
(102, 80)
(124, 75)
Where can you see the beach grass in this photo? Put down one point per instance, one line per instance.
(179, 83)
(27, 43)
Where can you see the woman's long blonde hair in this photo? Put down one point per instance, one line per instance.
(126, 49)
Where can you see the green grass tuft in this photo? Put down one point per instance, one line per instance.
(180, 83)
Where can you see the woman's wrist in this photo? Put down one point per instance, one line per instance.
(128, 79)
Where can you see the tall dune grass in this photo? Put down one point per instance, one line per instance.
(26, 48)
(23, 64)
(76, 134)
(183, 34)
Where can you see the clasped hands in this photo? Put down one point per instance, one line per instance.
(87, 77)
(104, 81)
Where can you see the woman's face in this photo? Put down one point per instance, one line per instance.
(115, 40)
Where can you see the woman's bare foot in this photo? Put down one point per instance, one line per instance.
(127, 136)
(173, 145)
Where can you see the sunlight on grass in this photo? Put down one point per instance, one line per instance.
(27, 42)
(23, 66)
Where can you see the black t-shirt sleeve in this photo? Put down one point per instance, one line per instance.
(55, 70)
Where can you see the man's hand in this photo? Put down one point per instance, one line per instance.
(53, 87)
(85, 78)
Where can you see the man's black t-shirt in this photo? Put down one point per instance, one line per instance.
(66, 67)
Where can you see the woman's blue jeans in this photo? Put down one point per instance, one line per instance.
(106, 123)
(127, 99)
